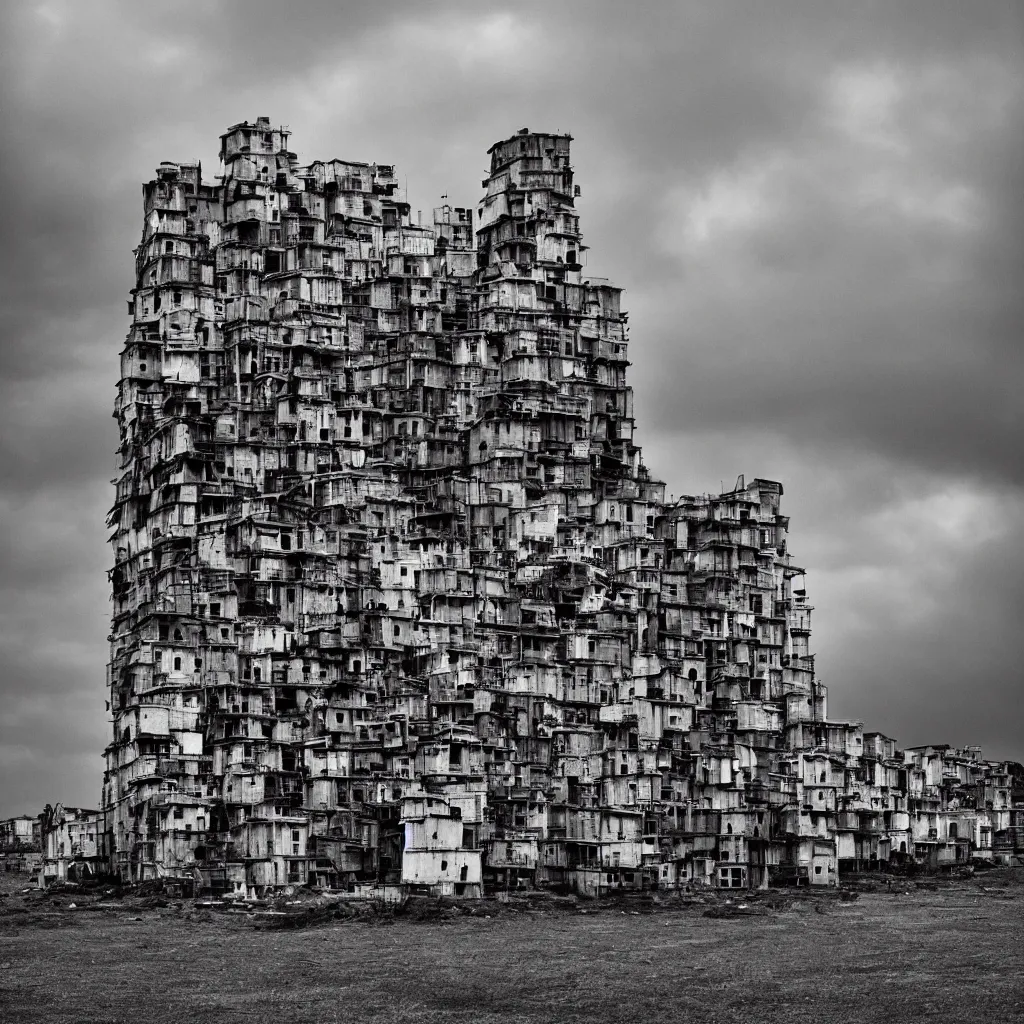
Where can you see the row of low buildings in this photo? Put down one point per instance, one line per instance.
(396, 601)
(20, 844)
(60, 844)
(846, 801)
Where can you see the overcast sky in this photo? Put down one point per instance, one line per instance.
(816, 217)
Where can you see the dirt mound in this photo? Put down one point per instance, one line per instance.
(1008, 876)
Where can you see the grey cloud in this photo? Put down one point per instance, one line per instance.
(844, 354)
(867, 324)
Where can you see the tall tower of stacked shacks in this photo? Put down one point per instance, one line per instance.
(395, 599)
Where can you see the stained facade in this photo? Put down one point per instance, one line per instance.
(396, 600)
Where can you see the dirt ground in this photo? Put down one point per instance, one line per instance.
(924, 952)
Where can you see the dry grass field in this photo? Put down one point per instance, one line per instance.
(950, 953)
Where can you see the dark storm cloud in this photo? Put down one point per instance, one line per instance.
(882, 273)
(815, 214)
